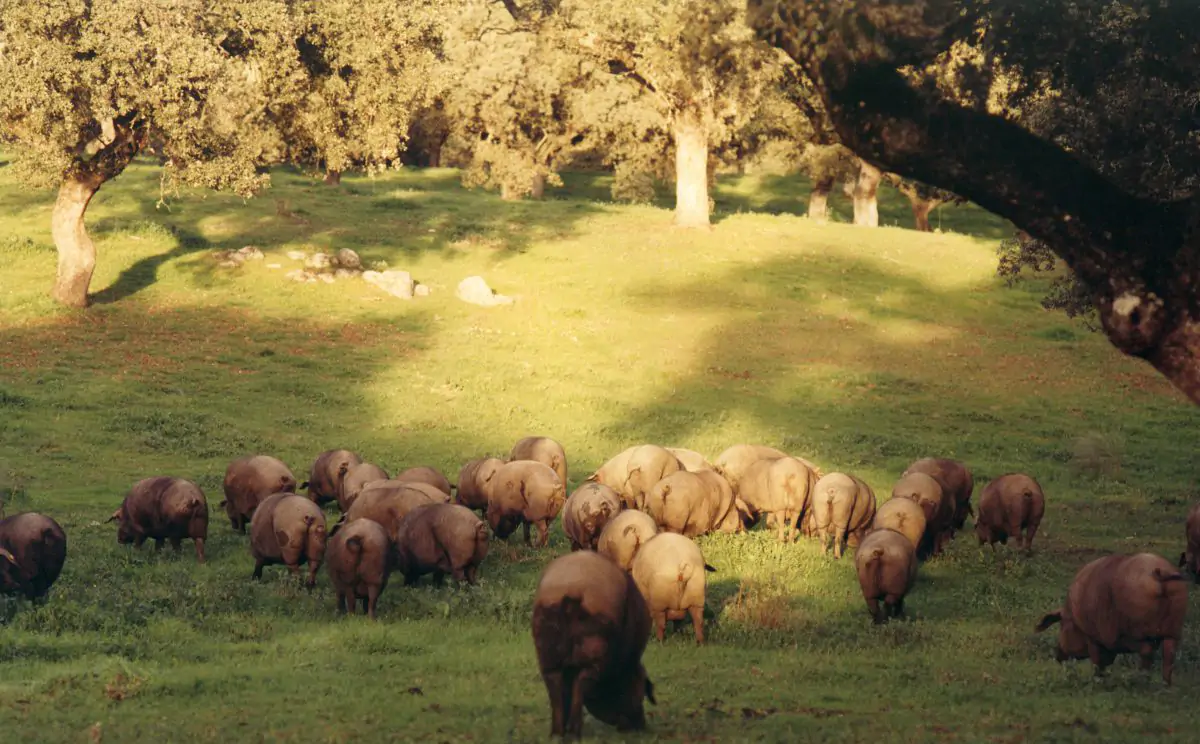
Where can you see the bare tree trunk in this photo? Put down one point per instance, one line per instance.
(691, 171)
(333, 177)
(921, 208)
(538, 186)
(76, 252)
(818, 200)
(866, 195)
(508, 192)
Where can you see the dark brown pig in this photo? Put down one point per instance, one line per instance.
(525, 493)
(427, 475)
(590, 628)
(887, 567)
(441, 539)
(586, 513)
(33, 548)
(356, 479)
(624, 535)
(544, 450)
(248, 481)
(925, 491)
(325, 477)
(387, 502)
(359, 561)
(956, 481)
(1010, 506)
(290, 530)
(843, 508)
(473, 482)
(163, 508)
(1122, 604)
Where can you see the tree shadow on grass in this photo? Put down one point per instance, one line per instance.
(862, 369)
(788, 194)
(395, 218)
(92, 403)
(144, 272)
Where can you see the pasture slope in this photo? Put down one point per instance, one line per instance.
(860, 349)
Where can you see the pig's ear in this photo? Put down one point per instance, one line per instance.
(650, 692)
(1050, 618)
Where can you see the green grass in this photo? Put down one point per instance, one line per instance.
(861, 349)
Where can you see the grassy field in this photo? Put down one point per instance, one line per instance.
(860, 349)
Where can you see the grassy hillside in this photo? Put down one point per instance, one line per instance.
(859, 349)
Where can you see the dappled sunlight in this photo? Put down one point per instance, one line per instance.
(860, 349)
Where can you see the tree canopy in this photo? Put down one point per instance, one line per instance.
(369, 66)
(1076, 121)
(221, 87)
(705, 71)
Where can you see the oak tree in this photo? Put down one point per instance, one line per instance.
(85, 85)
(369, 66)
(1090, 146)
(703, 67)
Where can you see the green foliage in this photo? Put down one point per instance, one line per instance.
(79, 81)
(370, 66)
(1113, 82)
(699, 61)
(858, 349)
(516, 97)
(1066, 292)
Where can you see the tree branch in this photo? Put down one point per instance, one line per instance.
(1004, 169)
(1139, 257)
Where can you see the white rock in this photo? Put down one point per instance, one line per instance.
(476, 291)
(345, 273)
(421, 290)
(274, 266)
(396, 283)
(348, 259)
(230, 264)
(300, 275)
(297, 255)
(318, 261)
(250, 253)
(327, 278)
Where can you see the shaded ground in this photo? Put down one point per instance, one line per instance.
(862, 349)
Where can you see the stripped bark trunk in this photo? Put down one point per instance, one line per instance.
(866, 195)
(818, 200)
(98, 162)
(921, 208)
(76, 251)
(538, 186)
(333, 177)
(691, 171)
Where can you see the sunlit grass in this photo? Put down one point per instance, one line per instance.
(861, 349)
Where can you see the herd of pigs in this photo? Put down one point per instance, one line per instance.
(634, 563)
